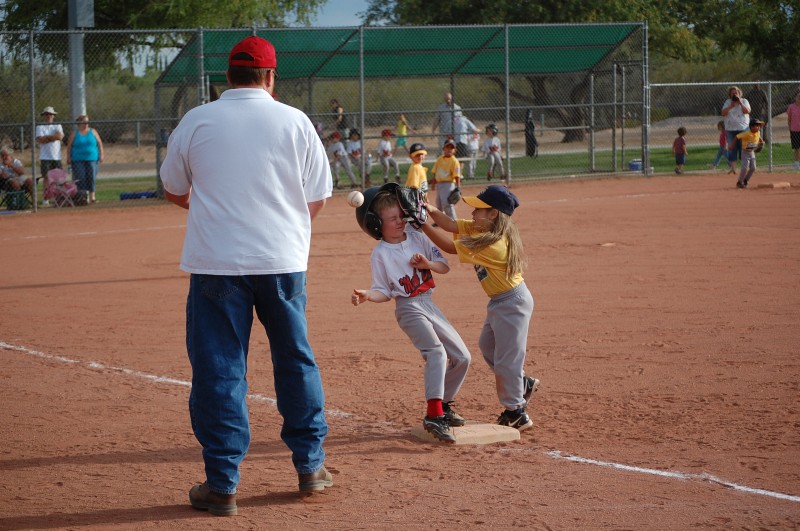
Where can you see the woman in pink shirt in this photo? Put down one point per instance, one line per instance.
(793, 116)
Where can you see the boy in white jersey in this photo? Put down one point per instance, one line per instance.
(401, 270)
(491, 148)
(386, 156)
(337, 155)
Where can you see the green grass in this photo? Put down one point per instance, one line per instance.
(546, 166)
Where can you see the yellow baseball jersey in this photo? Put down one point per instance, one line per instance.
(490, 262)
(446, 170)
(418, 177)
(749, 138)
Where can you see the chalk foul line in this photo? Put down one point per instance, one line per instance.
(94, 365)
(555, 454)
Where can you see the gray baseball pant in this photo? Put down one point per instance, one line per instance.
(446, 356)
(503, 342)
(442, 191)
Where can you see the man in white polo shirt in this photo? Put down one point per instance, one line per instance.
(49, 136)
(253, 174)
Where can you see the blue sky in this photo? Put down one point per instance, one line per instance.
(340, 13)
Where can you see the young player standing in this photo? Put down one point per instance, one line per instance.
(679, 150)
(355, 150)
(401, 270)
(491, 148)
(386, 158)
(446, 174)
(417, 173)
(337, 155)
(491, 241)
(750, 142)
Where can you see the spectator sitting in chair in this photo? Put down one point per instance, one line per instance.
(12, 173)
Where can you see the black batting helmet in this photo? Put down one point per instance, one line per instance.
(411, 205)
(492, 128)
(367, 218)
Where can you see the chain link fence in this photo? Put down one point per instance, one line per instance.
(698, 108)
(567, 100)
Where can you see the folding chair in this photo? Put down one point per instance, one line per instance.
(13, 199)
(60, 190)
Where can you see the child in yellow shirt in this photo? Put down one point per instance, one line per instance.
(446, 177)
(750, 142)
(417, 173)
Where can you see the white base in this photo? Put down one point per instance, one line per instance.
(472, 434)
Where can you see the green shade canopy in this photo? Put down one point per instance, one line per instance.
(407, 51)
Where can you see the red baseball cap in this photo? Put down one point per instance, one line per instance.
(261, 53)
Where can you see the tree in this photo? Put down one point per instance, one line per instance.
(143, 14)
(684, 32)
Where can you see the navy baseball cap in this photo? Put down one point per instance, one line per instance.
(494, 196)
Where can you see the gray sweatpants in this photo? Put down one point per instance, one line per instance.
(748, 166)
(442, 191)
(446, 356)
(503, 341)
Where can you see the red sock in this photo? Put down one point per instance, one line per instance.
(435, 408)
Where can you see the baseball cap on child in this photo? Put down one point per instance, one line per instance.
(449, 142)
(494, 196)
(254, 52)
(416, 148)
(755, 121)
(49, 110)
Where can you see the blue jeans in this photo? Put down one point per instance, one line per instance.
(720, 153)
(219, 317)
(84, 173)
(736, 152)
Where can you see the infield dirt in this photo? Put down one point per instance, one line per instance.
(665, 335)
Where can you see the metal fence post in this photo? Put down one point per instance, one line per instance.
(32, 90)
(592, 166)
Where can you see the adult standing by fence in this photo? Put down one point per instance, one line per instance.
(736, 114)
(49, 136)
(759, 104)
(446, 114)
(793, 119)
(339, 119)
(253, 174)
(84, 154)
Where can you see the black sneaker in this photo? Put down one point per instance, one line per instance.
(452, 418)
(531, 385)
(439, 428)
(518, 419)
(739, 184)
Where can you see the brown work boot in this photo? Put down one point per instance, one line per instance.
(316, 481)
(203, 498)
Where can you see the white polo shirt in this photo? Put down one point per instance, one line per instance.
(252, 165)
(51, 150)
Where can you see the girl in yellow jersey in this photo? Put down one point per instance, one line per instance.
(492, 243)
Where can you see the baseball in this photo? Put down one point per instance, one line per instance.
(355, 199)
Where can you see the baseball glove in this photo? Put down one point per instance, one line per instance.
(759, 147)
(411, 203)
(454, 196)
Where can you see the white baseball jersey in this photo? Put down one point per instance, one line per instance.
(491, 145)
(385, 148)
(394, 276)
